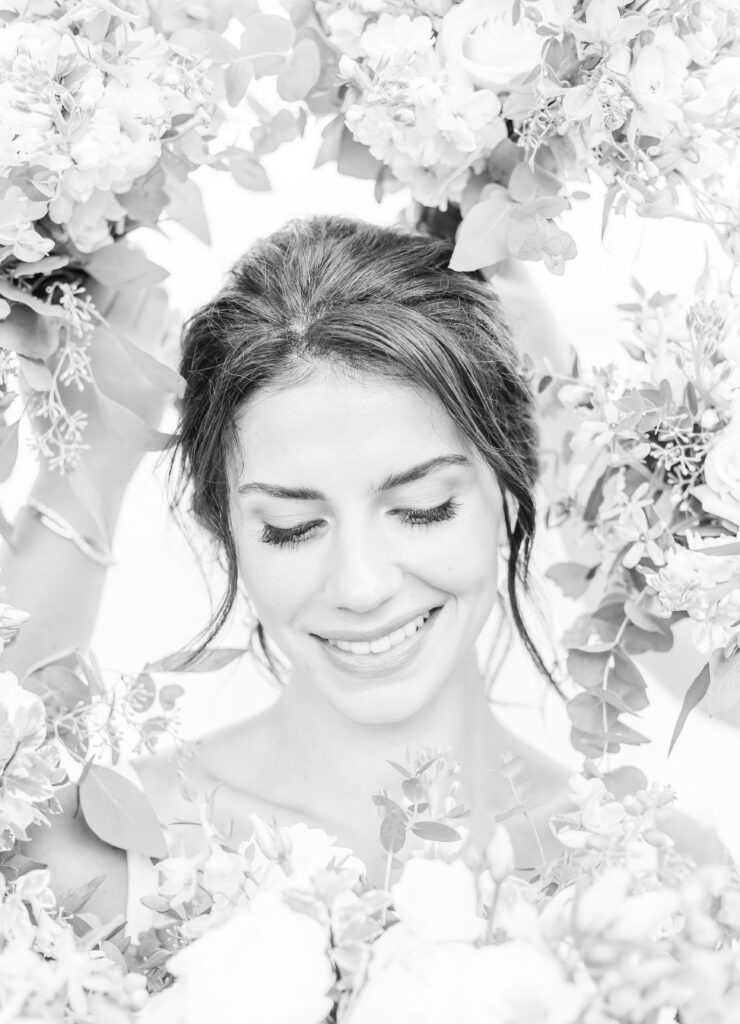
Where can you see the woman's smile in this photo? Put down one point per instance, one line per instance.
(388, 651)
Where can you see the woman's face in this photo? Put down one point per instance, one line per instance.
(367, 533)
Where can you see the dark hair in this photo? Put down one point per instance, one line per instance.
(371, 300)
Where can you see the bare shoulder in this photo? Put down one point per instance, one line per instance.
(75, 856)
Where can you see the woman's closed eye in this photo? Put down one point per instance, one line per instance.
(294, 535)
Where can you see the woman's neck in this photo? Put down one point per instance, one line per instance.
(335, 755)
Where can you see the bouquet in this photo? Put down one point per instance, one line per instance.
(652, 472)
(507, 108)
(285, 927)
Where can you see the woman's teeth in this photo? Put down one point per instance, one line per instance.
(383, 643)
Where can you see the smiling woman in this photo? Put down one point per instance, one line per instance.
(357, 438)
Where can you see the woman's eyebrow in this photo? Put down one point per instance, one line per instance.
(407, 476)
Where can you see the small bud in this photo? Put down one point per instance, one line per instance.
(654, 837)
(500, 854)
(709, 419)
(270, 841)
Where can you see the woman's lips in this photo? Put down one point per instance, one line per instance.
(383, 662)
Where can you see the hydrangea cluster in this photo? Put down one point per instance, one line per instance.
(453, 97)
(654, 482)
(93, 100)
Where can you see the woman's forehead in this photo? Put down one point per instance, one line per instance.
(331, 417)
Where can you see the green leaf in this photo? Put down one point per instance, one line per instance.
(587, 669)
(237, 78)
(356, 160)
(641, 618)
(119, 813)
(249, 173)
(209, 661)
(142, 692)
(185, 206)
(399, 768)
(129, 426)
(331, 136)
(732, 548)
(159, 374)
(60, 688)
(393, 832)
(123, 268)
(169, 696)
(435, 832)
(73, 900)
(637, 641)
(36, 373)
(203, 43)
(522, 184)
(481, 238)
(8, 449)
(624, 781)
(300, 73)
(13, 294)
(572, 577)
(266, 40)
(589, 713)
(724, 688)
(413, 789)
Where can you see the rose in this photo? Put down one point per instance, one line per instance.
(438, 901)
(480, 42)
(411, 981)
(720, 494)
(293, 854)
(265, 963)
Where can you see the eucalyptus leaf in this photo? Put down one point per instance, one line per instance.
(119, 813)
(588, 670)
(301, 71)
(393, 832)
(435, 831)
(209, 661)
(573, 578)
(724, 687)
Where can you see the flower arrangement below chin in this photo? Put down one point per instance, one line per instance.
(619, 926)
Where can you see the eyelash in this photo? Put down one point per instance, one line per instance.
(294, 536)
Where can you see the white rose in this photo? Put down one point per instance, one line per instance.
(411, 981)
(265, 963)
(438, 901)
(480, 42)
(307, 851)
(720, 494)
(523, 984)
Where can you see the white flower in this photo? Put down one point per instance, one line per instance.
(265, 963)
(415, 982)
(438, 901)
(396, 38)
(720, 494)
(480, 42)
(291, 855)
(179, 881)
(657, 79)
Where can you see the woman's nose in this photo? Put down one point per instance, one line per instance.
(363, 572)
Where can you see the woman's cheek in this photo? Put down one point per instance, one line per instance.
(462, 555)
(278, 582)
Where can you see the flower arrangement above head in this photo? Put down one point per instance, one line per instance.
(654, 482)
(499, 105)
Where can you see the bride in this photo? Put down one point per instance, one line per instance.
(356, 437)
